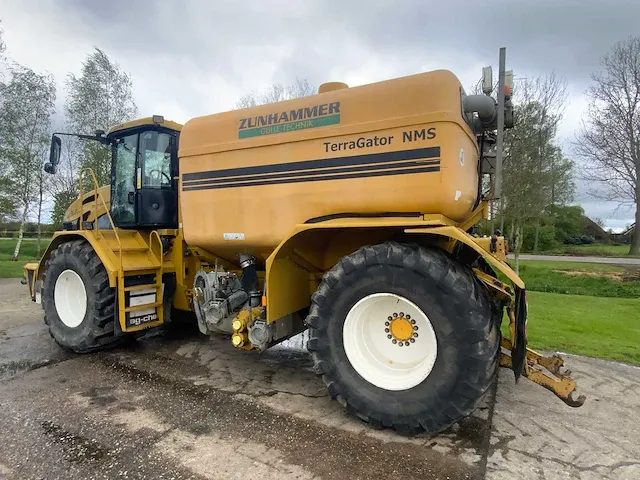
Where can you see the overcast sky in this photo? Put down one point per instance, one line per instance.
(194, 57)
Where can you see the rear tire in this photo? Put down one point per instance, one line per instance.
(427, 384)
(78, 302)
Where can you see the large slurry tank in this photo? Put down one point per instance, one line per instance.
(248, 176)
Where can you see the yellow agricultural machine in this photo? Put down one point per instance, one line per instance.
(349, 213)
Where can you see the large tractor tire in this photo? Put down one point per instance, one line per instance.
(403, 337)
(78, 303)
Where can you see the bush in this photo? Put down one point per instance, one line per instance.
(546, 238)
(579, 240)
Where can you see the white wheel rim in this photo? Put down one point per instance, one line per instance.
(70, 298)
(375, 356)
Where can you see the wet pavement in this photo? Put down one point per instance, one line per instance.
(180, 405)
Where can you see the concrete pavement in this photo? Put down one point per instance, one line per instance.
(185, 406)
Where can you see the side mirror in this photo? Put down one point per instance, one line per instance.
(54, 155)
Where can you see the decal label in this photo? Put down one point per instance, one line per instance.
(233, 236)
(362, 142)
(290, 120)
(421, 134)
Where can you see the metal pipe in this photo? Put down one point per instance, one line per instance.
(484, 106)
(500, 136)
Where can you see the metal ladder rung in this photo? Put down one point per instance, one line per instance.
(142, 307)
(144, 286)
(131, 249)
(141, 269)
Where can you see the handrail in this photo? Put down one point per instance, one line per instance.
(161, 254)
(95, 210)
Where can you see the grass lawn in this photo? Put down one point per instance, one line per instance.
(11, 269)
(597, 250)
(594, 326)
(581, 278)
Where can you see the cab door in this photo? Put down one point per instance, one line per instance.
(144, 182)
(156, 179)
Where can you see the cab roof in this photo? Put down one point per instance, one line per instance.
(145, 121)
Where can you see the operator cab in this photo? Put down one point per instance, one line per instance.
(144, 171)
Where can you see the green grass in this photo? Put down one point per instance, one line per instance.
(11, 269)
(565, 265)
(598, 249)
(590, 250)
(599, 327)
(581, 278)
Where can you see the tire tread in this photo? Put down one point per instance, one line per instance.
(455, 281)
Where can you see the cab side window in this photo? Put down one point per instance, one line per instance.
(155, 151)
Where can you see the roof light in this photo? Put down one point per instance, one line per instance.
(487, 80)
(158, 119)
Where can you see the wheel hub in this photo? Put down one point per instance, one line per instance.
(371, 342)
(401, 329)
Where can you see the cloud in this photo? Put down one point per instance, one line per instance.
(198, 57)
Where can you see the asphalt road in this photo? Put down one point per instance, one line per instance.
(569, 258)
(185, 406)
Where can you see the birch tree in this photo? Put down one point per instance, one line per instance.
(100, 97)
(25, 121)
(609, 140)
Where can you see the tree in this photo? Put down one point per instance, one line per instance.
(8, 203)
(97, 99)
(609, 139)
(25, 120)
(43, 184)
(61, 200)
(536, 173)
(277, 93)
(2, 44)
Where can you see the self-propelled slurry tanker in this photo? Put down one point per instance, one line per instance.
(349, 213)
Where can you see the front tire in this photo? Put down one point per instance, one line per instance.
(403, 337)
(78, 302)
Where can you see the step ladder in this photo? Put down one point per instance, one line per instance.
(140, 302)
(134, 256)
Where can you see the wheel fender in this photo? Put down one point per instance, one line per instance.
(457, 234)
(62, 237)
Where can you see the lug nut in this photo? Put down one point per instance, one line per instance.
(400, 343)
(415, 327)
(412, 340)
(406, 344)
(413, 322)
(386, 330)
(389, 318)
(389, 337)
(408, 317)
(394, 341)
(401, 314)
(395, 315)
(386, 324)
(415, 334)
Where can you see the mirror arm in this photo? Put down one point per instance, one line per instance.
(98, 138)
